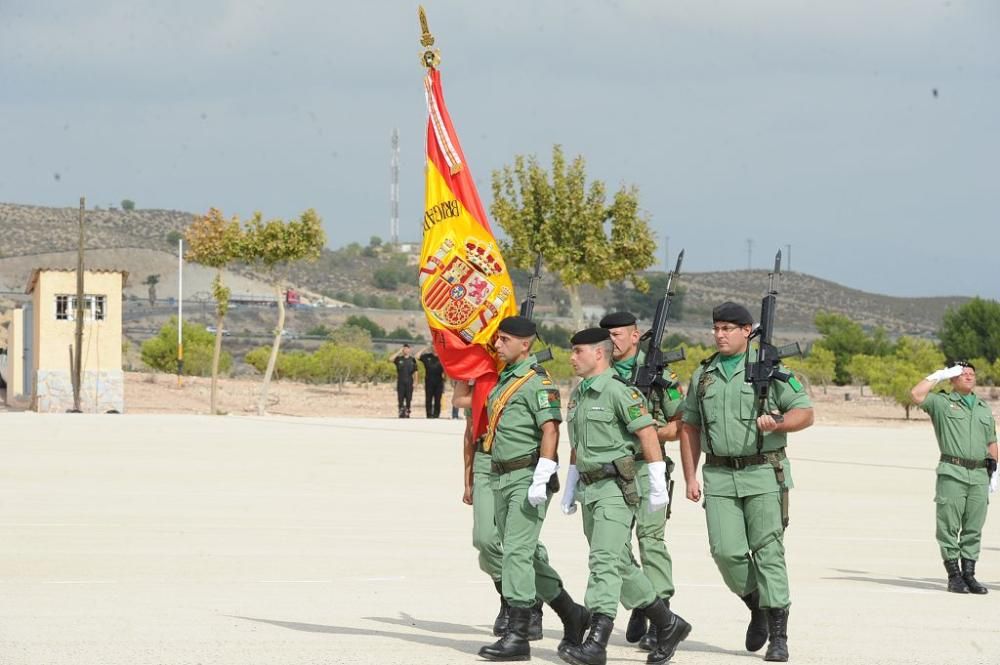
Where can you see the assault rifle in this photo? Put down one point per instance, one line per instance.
(767, 368)
(648, 376)
(528, 304)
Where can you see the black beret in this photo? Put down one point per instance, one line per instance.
(730, 312)
(590, 336)
(964, 363)
(518, 326)
(618, 320)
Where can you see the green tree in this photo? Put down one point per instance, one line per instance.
(818, 367)
(215, 242)
(894, 376)
(151, 282)
(972, 330)
(352, 335)
(160, 352)
(128, 205)
(362, 321)
(274, 246)
(172, 237)
(846, 338)
(582, 238)
(318, 331)
(693, 355)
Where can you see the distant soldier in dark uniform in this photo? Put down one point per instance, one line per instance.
(406, 373)
(433, 382)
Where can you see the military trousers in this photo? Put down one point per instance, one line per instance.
(961, 513)
(526, 574)
(746, 538)
(650, 529)
(614, 575)
(485, 537)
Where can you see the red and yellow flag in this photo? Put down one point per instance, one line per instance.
(465, 288)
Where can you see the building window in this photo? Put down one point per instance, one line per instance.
(94, 307)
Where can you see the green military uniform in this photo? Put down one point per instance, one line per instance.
(526, 573)
(603, 415)
(650, 527)
(964, 429)
(743, 497)
(485, 538)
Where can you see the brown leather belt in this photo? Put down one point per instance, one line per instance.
(737, 463)
(970, 464)
(522, 462)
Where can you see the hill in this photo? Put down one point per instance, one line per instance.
(144, 241)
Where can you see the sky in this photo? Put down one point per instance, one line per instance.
(865, 134)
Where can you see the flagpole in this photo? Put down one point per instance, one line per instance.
(431, 57)
(180, 309)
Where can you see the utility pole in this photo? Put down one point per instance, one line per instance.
(666, 253)
(394, 191)
(749, 253)
(788, 258)
(180, 310)
(77, 357)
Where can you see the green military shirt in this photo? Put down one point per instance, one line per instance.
(602, 420)
(518, 432)
(727, 416)
(961, 432)
(670, 400)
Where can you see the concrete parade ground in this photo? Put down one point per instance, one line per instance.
(238, 540)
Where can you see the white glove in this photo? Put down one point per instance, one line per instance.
(658, 497)
(994, 482)
(946, 373)
(538, 493)
(568, 502)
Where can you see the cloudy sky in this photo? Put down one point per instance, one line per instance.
(863, 133)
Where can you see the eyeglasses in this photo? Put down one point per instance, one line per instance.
(724, 329)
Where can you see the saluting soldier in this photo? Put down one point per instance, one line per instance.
(967, 437)
(746, 477)
(650, 526)
(607, 421)
(522, 438)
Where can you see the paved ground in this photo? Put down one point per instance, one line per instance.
(187, 539)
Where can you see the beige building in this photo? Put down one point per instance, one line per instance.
(52, 330)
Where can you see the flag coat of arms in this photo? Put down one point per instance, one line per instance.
(465, 288)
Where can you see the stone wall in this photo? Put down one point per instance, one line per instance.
(101, 391)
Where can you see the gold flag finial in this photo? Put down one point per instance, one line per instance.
(430, 57)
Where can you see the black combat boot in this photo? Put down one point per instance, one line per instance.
(535, 624)
(594, 651)
(636, 627)
(969, 577)
(757, 630)
(671, 630)
(514, 643)
(648, 641)
(956, 583)
(575, 619)
(777, 628)
(500, 623)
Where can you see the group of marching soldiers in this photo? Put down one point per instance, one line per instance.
(619, 475)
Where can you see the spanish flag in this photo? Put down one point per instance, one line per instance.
(465, 288)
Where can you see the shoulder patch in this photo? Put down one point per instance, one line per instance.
(548, 399)
(795, 384)
(636, 411)
(673, 393)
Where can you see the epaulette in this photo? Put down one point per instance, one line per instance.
(540, 371)
(619, 378)
(706, 361)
